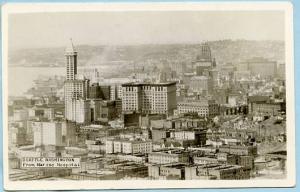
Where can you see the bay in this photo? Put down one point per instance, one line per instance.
(20, 79)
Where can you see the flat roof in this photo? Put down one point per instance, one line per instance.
(217, 166)
(149, 84)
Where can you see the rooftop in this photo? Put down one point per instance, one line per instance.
(258, 98)
(149, 84)
(71, 48)
(168, 151)
(199, 78)
(219, 166)
(175, 165)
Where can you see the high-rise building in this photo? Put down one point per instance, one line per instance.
(95, 92)
(105, 92)
(74, 90)
(201, 84)
(205, 53)
(102, 111)
(148, 98)
(79, 111)
(204, 60)
(48, 133)
(118, 106)
(76, 86)
(115, 92)
(69, 136)
(100, 91)
(71, 60)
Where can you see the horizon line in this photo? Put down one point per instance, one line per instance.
(141, 44)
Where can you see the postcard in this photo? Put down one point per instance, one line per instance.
(148, 95)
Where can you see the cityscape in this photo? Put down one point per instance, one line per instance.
(213, 110)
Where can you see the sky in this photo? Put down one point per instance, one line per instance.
(37, 30)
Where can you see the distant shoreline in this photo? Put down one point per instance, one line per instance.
(15, 66)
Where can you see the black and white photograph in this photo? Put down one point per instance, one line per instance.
(148, 95)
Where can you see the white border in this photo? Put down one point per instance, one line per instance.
(287, 7)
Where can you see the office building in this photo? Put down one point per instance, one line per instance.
(71, 61)
(156, 98)
(95, 92)
(69, 136)
(48, 133)
(103, 111)
(204, 60)
(201, 84)
(159, 134)
(265, 105)
(76, 86)
(204, 108)
(216, 171)
(238, 150)
(75, 89)
(259, 65)
(78, 111)
(166, 157)
(174, 171)
(196, 137)
(105, 92)
(126, 146)
(115, 92)
(204, 160)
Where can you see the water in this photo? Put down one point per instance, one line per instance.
(20, 79)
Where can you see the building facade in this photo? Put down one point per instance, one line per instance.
(166, 157)
(48, 133)
(78, 110)
(71, 61)
(204, 108)
(264, 105)
(158, 98)
(128, 146)
(258, 65)
(167, 172)
(216, 171)
(201, 84)
(95, 92)
(76, 87)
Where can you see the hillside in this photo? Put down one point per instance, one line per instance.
(126, 57)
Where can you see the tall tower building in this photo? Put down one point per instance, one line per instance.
(76, 88)
(205, 52)
(71, 61)
(204, 60)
